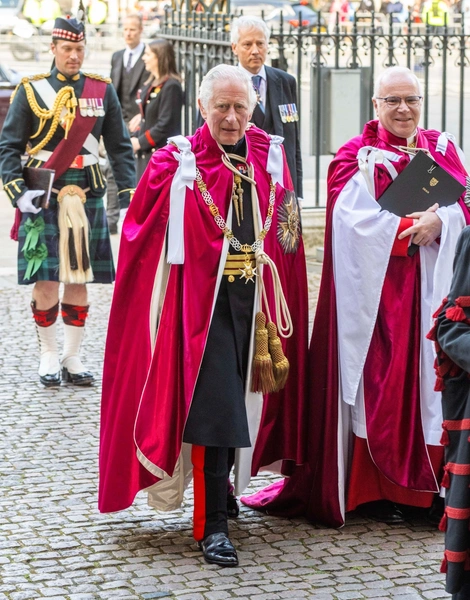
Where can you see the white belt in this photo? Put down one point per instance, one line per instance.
(44, 155)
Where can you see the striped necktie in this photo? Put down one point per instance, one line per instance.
(257, 85)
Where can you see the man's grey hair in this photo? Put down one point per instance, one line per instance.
(225, 74)
(137, 17)
(242, 23)
(392, 73)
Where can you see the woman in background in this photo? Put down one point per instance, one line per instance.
(161, 101)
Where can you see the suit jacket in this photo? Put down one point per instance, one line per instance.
(161, 118)
(282, 89)
(139, 74)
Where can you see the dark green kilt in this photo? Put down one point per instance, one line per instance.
(101, 258)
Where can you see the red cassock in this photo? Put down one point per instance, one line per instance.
(159, 323)
(370, 365)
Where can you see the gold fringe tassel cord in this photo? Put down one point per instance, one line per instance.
(74, 262)
(280, 362)
(65, 99)
(262, 378)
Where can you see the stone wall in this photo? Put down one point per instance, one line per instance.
(313, 229)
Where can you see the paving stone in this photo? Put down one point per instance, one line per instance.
(54, 543)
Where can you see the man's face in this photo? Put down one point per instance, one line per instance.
(401, 120)
(251, 49)
(227, 113)
(132, 32)
(68, 56)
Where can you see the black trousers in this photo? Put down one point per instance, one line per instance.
(211, 467)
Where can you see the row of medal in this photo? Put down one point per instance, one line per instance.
(91, 107)
(289, 113)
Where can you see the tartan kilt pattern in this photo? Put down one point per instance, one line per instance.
(101, 258)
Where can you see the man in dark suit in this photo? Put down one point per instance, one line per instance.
(127, 74)
(276, 111)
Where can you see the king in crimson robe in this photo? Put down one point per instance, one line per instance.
(371, 368)
(159, 323)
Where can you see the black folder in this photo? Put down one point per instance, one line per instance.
(39, 179)
(418, 187)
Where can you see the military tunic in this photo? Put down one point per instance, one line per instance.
(20, 125)
(217, 416)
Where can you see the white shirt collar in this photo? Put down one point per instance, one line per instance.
(261, 73)
(136, 52)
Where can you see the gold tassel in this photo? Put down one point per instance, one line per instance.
(280, 362)
(74, 263)
(262, 379)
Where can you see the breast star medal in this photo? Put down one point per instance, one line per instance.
(288, 229)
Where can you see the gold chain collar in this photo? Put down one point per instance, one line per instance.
(233, 241)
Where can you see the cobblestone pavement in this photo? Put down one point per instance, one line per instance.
(54, 544)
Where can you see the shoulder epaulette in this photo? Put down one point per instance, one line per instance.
(25, 80)
(98, 77)
(35, 77)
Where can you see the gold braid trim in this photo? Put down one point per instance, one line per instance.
(65, 98)
(98, 77)
(26, 79)
(36, 77)
(12, 97)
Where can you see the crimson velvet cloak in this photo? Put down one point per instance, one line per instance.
(391, 378)
(148, 384)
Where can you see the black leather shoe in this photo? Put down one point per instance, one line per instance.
(383, 511)
(85, 378)
(233, 510)
(218, 550)
(50, 380)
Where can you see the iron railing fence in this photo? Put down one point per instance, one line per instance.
(438, 56)
(201, 41)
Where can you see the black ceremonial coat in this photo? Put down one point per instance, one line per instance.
(452, 336)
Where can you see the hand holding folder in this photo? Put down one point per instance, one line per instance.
(418, 187)
(428, 229)
(39, 179)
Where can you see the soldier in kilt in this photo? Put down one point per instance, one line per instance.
(57, 119)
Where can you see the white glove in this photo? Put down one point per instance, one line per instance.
(25, 202)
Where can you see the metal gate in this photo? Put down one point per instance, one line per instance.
(367, 44)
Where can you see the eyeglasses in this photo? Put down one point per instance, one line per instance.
(395, 101)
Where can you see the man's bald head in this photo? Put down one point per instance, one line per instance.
(398, 102)
(396, 74)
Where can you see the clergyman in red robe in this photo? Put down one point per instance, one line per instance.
(374, 416)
